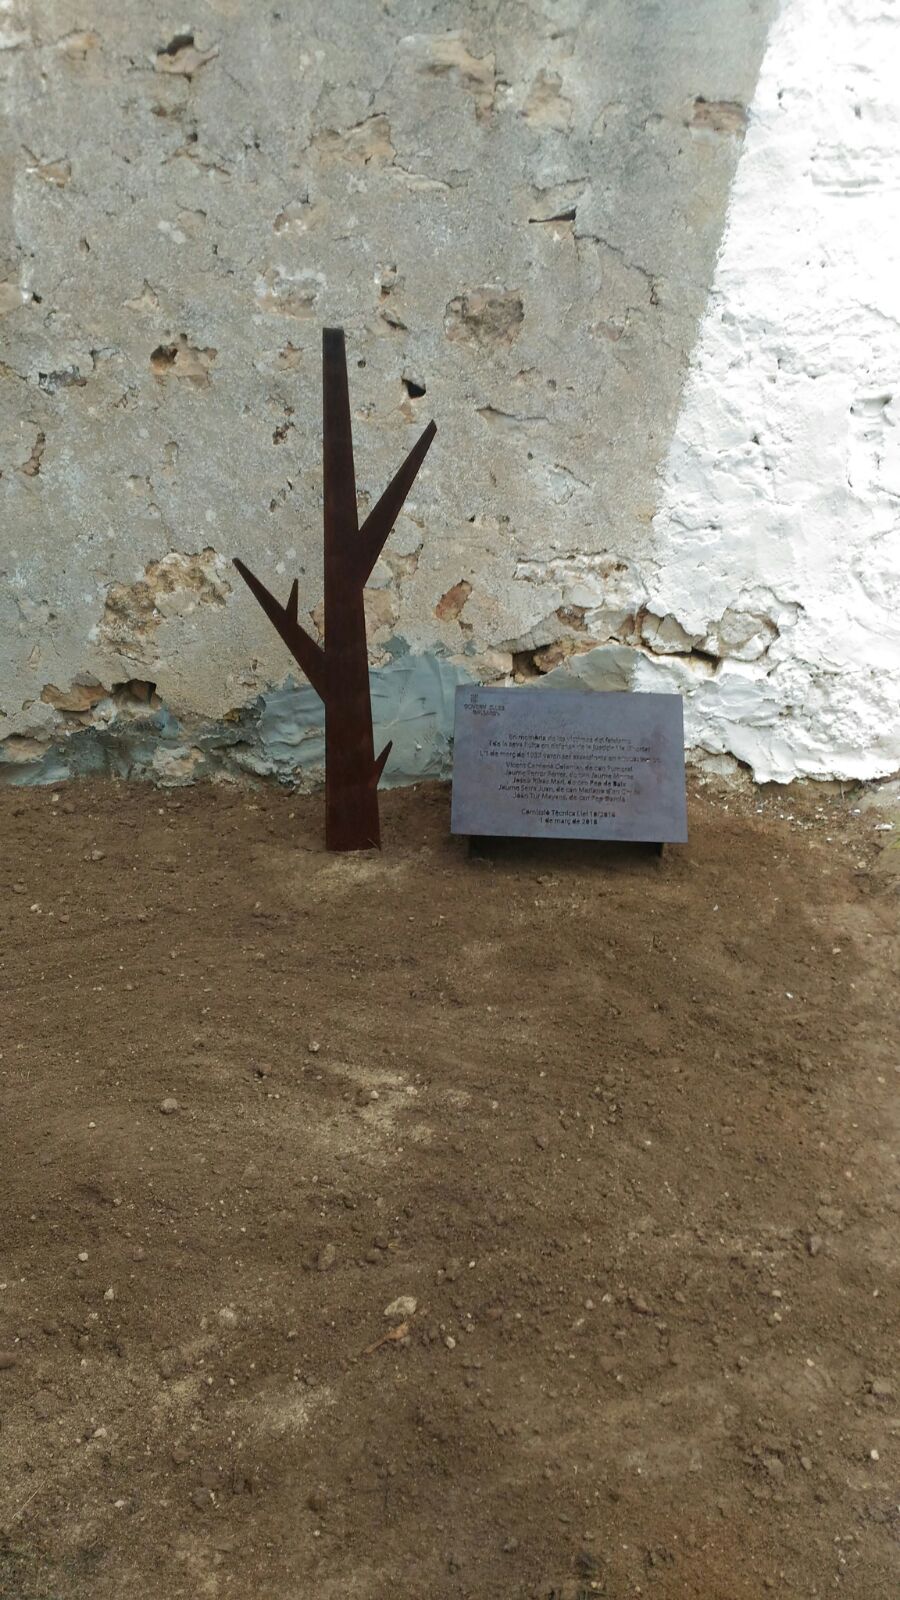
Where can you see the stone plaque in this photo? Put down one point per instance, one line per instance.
(569, 764)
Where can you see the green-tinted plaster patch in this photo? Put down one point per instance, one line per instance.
(279, 735)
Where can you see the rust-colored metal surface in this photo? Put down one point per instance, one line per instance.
(339, 672)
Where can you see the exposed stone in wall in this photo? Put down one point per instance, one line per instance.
(513, 209)
(170, 587)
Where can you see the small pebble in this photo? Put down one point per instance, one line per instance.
(228, 1317)
(202, 1499)
(110, 1294)
(404, 1306)
(82, 1255)
(450, 1342)
(314, 1047)
(326, 1257)
(814, 1244)
(167, 1106)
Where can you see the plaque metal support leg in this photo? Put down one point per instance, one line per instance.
(481, 845)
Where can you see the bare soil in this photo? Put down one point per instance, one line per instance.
(624, 1130)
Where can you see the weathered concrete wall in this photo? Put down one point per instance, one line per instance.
(514, 210)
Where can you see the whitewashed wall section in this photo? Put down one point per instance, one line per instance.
(777, 542)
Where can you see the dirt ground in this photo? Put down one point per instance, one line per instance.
(623, 1132)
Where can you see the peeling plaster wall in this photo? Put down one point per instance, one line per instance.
(778, 540)
(514, 209)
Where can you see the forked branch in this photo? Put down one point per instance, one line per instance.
(309, 655)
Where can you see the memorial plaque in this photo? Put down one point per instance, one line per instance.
(569, 764)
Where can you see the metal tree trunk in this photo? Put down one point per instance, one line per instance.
(340, 672)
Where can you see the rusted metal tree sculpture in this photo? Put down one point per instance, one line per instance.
(339, 673)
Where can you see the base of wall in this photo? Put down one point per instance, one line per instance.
(281, 735)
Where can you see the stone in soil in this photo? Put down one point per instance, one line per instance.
(404, 1306)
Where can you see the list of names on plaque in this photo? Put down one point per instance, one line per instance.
(569, 764)
(568, 779)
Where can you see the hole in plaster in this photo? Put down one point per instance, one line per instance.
(392, 320)
(136, 693)
(32, 466)
(79, 699)
(486, 317)
(182, 360)
(451, 604)
(558, 216)
(718, 116)
(870, 405)
(707, 655)
(414, 390)
(573, 617)
(64, 378)
(386, 281)
(181, 41)
(523, 666)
